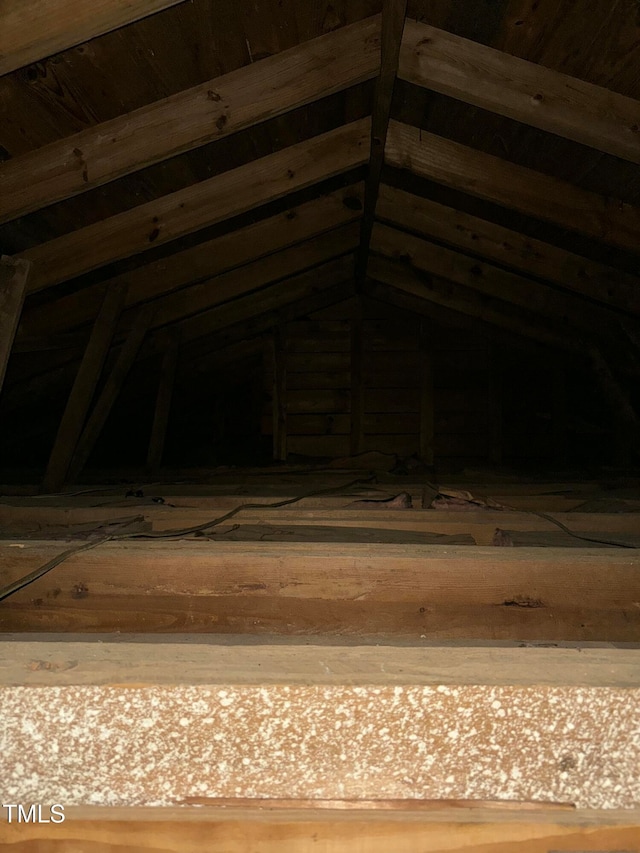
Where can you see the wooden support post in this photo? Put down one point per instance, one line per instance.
(163, 403)
(279, 402)
(427, 411)
(393, 18)
(13, 284)
(110, 392)
(559, 416)
(83, 389)
(357, 386)
(495, 406)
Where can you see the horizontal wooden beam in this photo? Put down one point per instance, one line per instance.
(510, 248)
(521, 90)
(458, 592)
(510, 185)
(221, 722)
(34, 29)
(204, 261)
(562, 309)
(189, 119)
(200, 205)
(339, 827)
(468, 301)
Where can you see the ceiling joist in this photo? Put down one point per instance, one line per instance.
(511, 248)
(200, 205)
(34, 29)
(516, 187)
(190, 119)
(521, 90)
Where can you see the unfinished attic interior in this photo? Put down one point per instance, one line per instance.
(319, 425)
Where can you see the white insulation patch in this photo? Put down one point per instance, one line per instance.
(115, 746)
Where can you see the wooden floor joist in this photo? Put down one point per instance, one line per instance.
(439, 592)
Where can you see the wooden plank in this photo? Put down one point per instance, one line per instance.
(13, 285)
(206, 260)
(255, 826)
(319, 445)
(459, 592)
(189, 119)
(83, 390)
(35, 29)
(393, 18)
(494, 404)
(279, 401)
(110, 391)
(521, 90)
(200, 205)
(510, 248)
(163, 403)
(502, 182)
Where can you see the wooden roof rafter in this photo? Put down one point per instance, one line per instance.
(516, 187)
(35, 29)
(521, 90)
(199, 205)
(189, 119)
(202, 262)
(509, 248)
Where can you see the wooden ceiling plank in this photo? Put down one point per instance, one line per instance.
(110, 391)
(34, 29)
(393, 19)
(190, 119)
(496, 312)
(200, 205)
(511, 248)
(13, 285)
(502, 182)
(206, 260)
(83, 390)
(449, 264)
